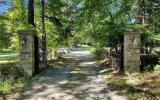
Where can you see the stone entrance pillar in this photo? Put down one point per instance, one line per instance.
(132, 51)
(27, 52)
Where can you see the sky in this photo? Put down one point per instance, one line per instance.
(7, 5)
(4, 7)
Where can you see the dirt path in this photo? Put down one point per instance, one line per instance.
(77, 78)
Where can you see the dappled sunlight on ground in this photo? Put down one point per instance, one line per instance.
(88, 63)
(136, 86)
(77, 77)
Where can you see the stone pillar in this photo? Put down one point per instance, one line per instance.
(27, 52)
(131, 52)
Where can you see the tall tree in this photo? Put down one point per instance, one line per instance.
(44, 56)
(31, 12)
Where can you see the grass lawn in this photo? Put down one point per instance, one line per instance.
(4, 57)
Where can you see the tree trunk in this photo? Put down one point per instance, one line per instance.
(44, 56)
(31, 12)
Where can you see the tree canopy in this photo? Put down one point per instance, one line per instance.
(94, 22)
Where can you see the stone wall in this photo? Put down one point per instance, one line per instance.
(132, 51)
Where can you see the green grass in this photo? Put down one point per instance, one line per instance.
(5, 87)
(12, 86)
(142, 85)
(15, 86)
(12, 58)
(8, 56)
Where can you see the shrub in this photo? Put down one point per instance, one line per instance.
(157, 51)
(9, 70)
(12, 86)
(157, 68)
(6, 86)
(100, 53)
(148, 61)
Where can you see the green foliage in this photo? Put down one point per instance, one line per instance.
(4, 36)
(135, 27)
(100, 53)
(12, 21)
(9, 58)
(94, 22)
(12, 86)
(6, 86)
(157, 68)
(9, 71)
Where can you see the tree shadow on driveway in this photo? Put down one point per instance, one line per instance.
(78, 77)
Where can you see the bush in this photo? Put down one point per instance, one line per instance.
(9, 70)
(100, 53)
(157, 68)
(148, 61)
(157, 51)
(12, 86)
(6, 86)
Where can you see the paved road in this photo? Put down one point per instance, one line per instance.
(79, 78)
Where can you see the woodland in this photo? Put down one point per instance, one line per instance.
(97, 24)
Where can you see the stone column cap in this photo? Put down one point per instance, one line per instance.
(27, 32)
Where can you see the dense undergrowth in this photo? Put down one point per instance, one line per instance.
(100, 53)
(14, 86)
(9, 71)
(11, 79)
